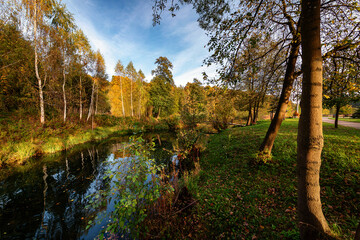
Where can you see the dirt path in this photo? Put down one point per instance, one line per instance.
(343, 123)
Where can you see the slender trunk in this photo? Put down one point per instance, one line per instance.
(310, 136)
(41, 96)
(80, 99)
(131, 98)
(254, 114)
(159, 113)
(64, 94)
(274, 127)
(122, 98)
(91, 102)
(140, 100)
(97, 97)
(337, 115)
(249, 119)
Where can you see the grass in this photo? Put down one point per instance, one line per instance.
(348, 119)
(237, 200)
(22, 136)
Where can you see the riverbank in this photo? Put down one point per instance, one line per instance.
(22, 138)
(237, 200)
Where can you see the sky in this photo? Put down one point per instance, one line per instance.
(123, 30)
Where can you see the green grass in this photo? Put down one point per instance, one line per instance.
(237, 200)
(348, 119)
(22, 137)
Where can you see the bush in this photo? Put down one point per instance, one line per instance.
(173, 122)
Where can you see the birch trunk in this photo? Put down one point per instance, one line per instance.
(91, 102)
(122, 98)
(80, 104)
(64, 94)
(97, 97)
(131, 97)
(41, 96)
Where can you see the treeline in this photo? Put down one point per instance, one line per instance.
(47, 65)
(48, 71)
(131, 96)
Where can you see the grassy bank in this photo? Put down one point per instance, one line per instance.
(238, 200)
(22, 137)
(348, 119)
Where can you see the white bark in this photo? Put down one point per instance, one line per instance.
(80, 100)
(41, 96)
(91, 102)
(64, 93)
(122, 98)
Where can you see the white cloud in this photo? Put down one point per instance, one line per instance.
(195, 73)
(126, 33)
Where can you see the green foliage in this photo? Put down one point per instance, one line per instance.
(134, 186)
(173, 122)
(193, 110)
(161, 97)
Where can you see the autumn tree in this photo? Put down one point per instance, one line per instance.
(63, 24)
(229, 27)
(16, 68)
(140, 81)
(341, 80)
(161, 86)
(83, 49)
(120, 71)
(36, 12)
(193, 109)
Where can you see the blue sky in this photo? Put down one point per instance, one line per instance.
(122, 29)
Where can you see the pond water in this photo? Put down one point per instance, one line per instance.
(46, 199)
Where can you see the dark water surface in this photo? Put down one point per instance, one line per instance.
(46, 199)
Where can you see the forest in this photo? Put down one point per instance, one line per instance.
(282, 67)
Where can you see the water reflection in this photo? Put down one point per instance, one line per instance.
(47, 200)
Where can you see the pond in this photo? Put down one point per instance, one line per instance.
(46, 199)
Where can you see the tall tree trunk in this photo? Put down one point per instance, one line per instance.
(122, 98)
(91, 102)
(40, 85)
(310, 134)
(254, 114)
(140, 95)
(274, 127)
(97, 98)
(64, 93)
(80, 100)
(249, 119)
(337, 115)
(131, 97)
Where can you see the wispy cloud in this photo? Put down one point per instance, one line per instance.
(123, 30)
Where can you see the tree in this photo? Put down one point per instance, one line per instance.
(36, 11)
(141, 77)
(310, 136)
(99, 81)
(119, 69)
(16, 69)
(131, 74)
(163, 70)
(193, 110)
(63, 23)
(161, 86)
(229, 27)
(341, 81)
(83, 48)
